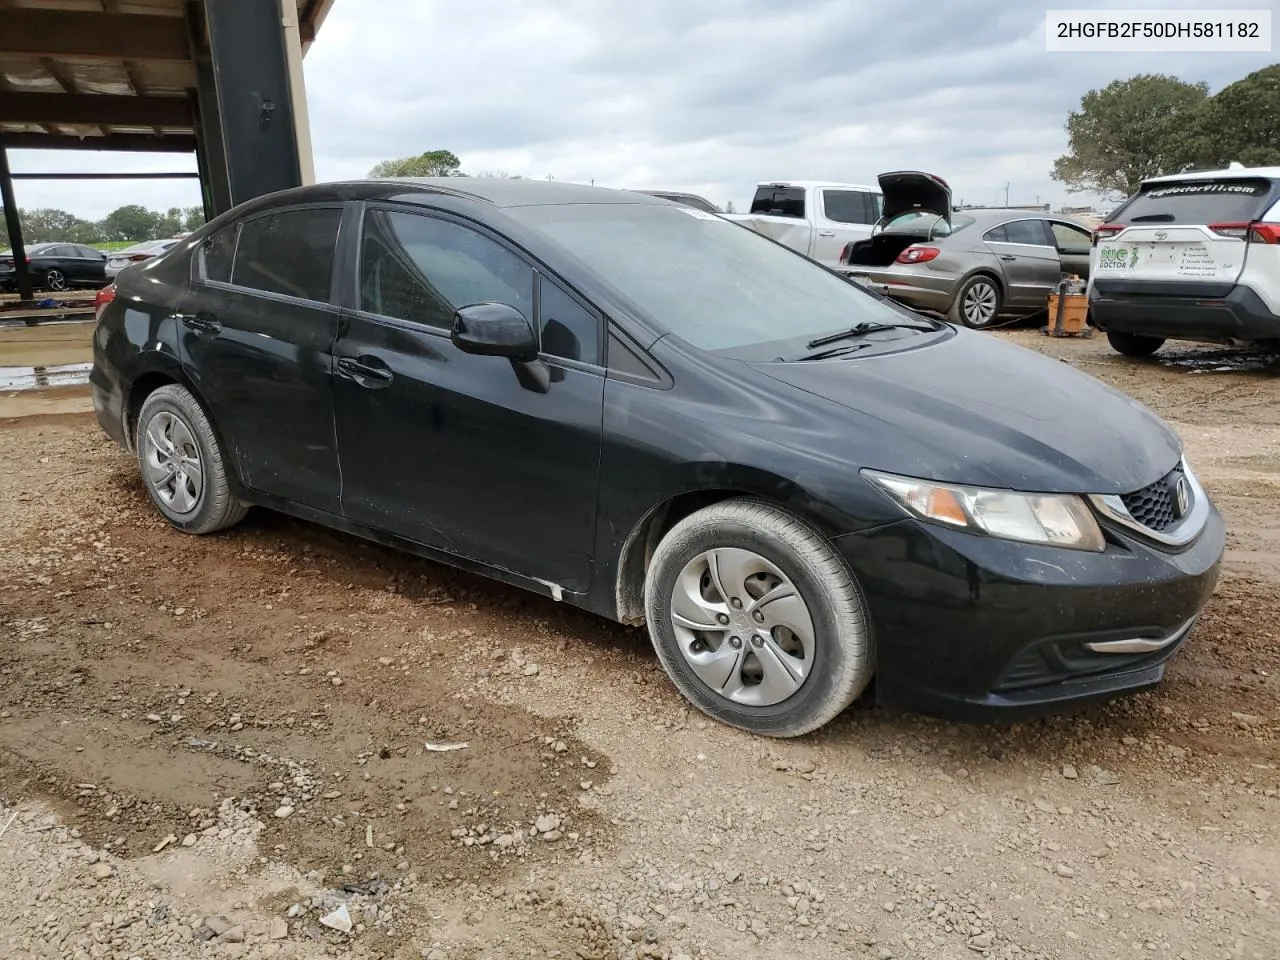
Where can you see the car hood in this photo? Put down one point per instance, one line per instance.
(907, 190)
(970, 409)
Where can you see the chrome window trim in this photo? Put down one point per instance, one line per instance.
(1112, 508)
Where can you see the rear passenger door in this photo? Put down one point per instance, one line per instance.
(842, 216)
(473, 455)
(1029, 261)
(256, 338)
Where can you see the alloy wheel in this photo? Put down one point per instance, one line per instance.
(55, 280)
(173, 468)
(979, 304)
(742, 626)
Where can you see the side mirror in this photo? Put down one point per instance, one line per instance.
(494, 330)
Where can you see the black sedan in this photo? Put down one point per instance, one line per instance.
(57, 266)
(642, 409)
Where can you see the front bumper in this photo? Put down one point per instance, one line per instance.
(975, 628)
(1239, 315)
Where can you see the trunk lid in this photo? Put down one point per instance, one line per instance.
(1196, 230)
(907, 191)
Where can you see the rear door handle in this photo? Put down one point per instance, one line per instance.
(200, 322)
(1008, 257)
(369, 372)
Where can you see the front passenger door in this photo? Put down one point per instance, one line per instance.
(462, 452)
(1073, 245)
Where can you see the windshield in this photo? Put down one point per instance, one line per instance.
(1199, 201)
(709, 281)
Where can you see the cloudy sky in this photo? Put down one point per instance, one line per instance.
(703, 95)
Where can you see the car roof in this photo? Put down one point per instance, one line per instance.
(509, 192)
(1237, 172)
(812, 184)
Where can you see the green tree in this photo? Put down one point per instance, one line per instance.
(1128, 131)
(192, 218)
(44, 225)
(130, 222)
(433, 163)
(169, 223)
(1240, 122)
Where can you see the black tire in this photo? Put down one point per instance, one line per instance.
(206, 507)
(978, 321)
(842, 657)
(1134, 344)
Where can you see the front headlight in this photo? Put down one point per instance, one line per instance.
(1054, 519)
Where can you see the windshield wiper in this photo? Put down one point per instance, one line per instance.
(1154, 218)
(859, 329)
(833, 352)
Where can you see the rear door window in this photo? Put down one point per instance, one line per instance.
(779, 201)
(849, 206)
(289, 253)
(1200, 201)
(1031, 232)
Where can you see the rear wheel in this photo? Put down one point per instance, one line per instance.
(977, 304)
(182, 463)
(757, 620)
(56, 280)
(1134, 344)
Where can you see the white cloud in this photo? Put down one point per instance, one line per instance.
(709, 96)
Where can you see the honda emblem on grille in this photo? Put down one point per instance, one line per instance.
(1181, 497)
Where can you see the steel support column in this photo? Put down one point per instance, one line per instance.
(253, 101)
(16, 246)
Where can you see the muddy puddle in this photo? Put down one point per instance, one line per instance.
(42, 377)
(1226, 360)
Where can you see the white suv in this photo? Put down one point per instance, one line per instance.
(1194, 256)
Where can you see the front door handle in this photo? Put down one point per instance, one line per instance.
(1008, 257)
(202, 322)
(368, 372)
(826, 233)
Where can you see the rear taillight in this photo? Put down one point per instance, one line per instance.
(1237, 231)
(1249, 232)
(104, 296)
(914, 254)
(1105, 230)
(846, 253)
(140, 256)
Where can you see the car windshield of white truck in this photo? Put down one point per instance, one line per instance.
(1199, 201)
(709, 281)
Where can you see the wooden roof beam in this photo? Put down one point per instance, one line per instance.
(110, 36)
(90, 108)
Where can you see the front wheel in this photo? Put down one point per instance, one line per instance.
(56, 280)
(1134, 344)
(757, 620)
(977, 304)
(182, 463)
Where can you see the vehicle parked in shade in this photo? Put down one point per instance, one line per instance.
(688, 199)
(1195, 256)
(812, 217)
(641, 409)
(56, 267)
(138, 253)
(974, 266)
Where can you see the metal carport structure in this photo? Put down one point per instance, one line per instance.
(218, 78)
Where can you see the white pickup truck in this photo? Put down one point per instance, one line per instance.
(815, 217)
(821, 219)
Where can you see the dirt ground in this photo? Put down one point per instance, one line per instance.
(206, 745)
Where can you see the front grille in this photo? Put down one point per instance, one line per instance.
(1153, 505)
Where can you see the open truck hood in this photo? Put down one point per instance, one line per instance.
(908, 190)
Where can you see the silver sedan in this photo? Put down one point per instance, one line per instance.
(974, 266)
